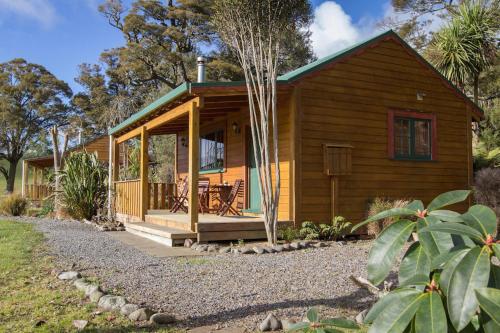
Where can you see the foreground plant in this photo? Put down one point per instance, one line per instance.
(84, 185)
(315, 325)
(447, 281)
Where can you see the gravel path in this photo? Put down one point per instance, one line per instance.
(226, 289)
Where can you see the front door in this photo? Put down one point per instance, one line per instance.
(253, 180)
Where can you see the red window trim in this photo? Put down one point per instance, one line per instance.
(410, 114)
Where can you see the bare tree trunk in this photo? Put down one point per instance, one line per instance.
(58, 161)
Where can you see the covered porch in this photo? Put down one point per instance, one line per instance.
(196, 122)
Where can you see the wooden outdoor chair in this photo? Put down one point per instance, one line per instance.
(181, 198)
(226, 205)
(203, 195)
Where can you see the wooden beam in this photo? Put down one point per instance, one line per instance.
(144, 194)
(296, 153)
(470, 163)
(194, 163)
(174, 113)
(24, 178)
(116, 160)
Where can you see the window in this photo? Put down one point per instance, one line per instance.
(412, 135)
(212, 151)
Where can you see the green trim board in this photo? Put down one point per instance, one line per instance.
(187, 87)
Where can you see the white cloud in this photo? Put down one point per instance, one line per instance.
(39, 10)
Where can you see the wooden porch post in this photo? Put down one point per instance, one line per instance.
(144, 172)
(194, 163)
(111, 179)
(24, 179)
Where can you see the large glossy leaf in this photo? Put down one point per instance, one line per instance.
(340, 322)
(481, 218)
(385, 301)
(386, 248)
(415, 262)
(454, 228)
(439, 261)
(471, 273)
(382, 215)
(488, 325)
(448, 198)
(430, 316)
(446, 215)
(312, 315)
(434, 243)
(397, 315)
(415, 205)
(449, 269)
(416, 280)
(489, 301)
(298, 326)
(494, 281)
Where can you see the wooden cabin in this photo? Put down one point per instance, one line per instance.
(374, 120)
(35, 170)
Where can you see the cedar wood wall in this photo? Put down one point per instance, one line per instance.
(349, 104)
(235, 150)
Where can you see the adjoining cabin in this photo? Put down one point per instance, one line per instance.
(36, 170)
(374, 120)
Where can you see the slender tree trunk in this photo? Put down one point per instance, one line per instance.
(58, 160)
(11, 175)
(476, 89)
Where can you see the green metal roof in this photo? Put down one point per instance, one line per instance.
(289, 77)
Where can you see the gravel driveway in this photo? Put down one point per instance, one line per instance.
(224, 289)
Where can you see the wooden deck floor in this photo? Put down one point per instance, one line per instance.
(213, 227)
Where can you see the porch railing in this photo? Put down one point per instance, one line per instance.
(37, 192)
(160, 195)
(128, 197)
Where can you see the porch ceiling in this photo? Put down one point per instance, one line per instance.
(214, 107)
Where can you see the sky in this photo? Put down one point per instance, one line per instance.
(61, 34)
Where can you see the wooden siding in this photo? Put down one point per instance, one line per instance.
(349, 104)
(99, 146)
(236, 150)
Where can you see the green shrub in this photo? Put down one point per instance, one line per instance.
(14, 205)
(447, 280)
(317, 325)
(336, 230)
(333, 231)
(379, 205)
(47, 207)
(84, 185)
(289, 234)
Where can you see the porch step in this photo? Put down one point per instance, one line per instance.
(160, 234)
(164, 220)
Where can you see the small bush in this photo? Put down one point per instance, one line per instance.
(333, 231)
(289, 234)
(14, 205)
(379, 205)
(487, 189)
(84, 185)
(47, 207)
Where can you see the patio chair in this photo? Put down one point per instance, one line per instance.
(226, 205)
(181, 199)
(203, 195)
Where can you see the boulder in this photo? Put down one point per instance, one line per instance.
(71, 275)
(81, 284)
(286, 323)
(162, 319)
(141, 314)
(90, 288)
(212, 249)
(111, 303)
(246, 250)
(202, 248)
(268, 249)
(258, 249)
(295, 246)
(319, 244)
(80, 324)
(287, 247)
(127, 309)
(188, 242)
(271, 323)
(96, 296)
(304, 244)
(226, 249)
(278, 248)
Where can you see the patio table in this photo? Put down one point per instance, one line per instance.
(219, 192)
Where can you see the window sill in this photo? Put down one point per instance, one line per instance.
(206, 172)
(409, 159)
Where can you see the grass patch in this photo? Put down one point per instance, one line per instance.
(33, 300)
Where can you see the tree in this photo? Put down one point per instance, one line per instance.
(466, 46)
(256, 31)
(31, 99)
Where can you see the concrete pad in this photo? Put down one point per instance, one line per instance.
(153, 248)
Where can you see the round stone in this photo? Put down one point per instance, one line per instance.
(162, 319)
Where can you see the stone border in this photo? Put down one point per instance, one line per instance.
(294, 246)
(112, 303)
